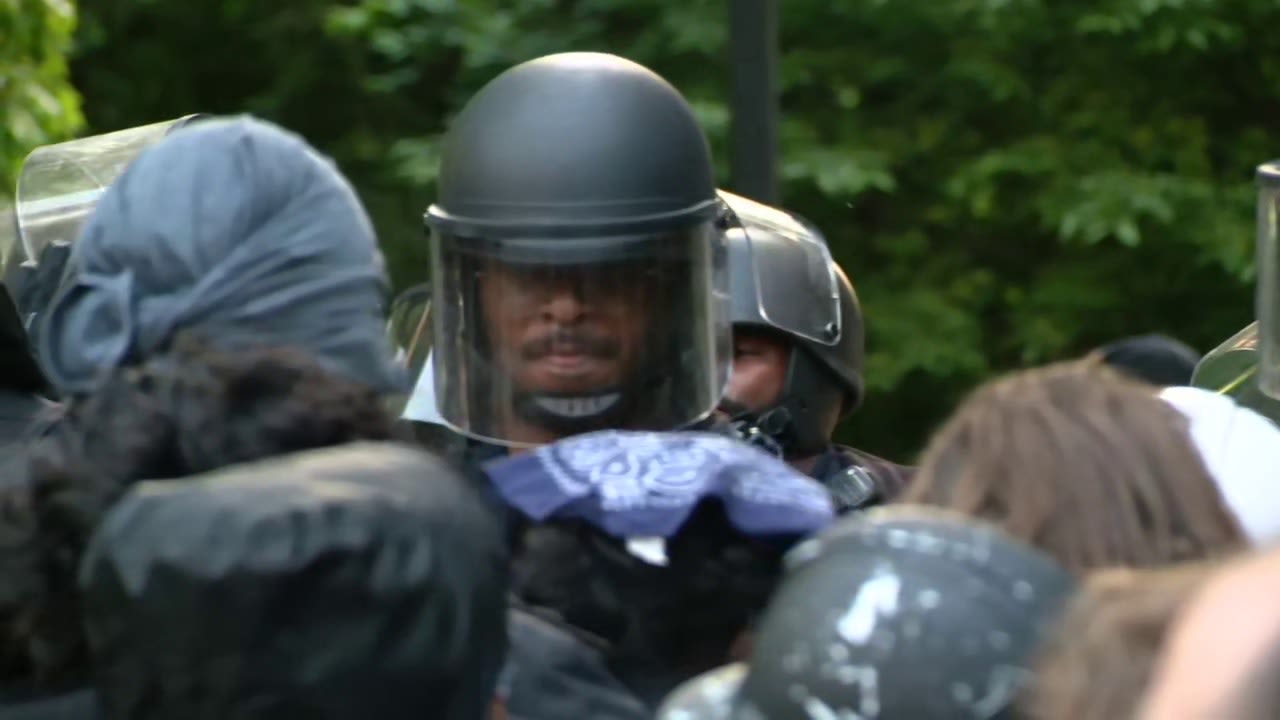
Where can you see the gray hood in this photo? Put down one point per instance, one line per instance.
(235, 229)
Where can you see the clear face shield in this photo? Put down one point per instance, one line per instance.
(781, 272)
(534, 339)
(1268, 262)
(58, 187)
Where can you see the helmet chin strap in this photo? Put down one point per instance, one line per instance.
(747, 429)
(794, 421)
(776, 430)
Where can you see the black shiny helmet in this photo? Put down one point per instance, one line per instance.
(571, 187)
(784, 281)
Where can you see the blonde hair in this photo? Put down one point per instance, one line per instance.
(1083, 463)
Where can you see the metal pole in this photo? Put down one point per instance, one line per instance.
(753, 53)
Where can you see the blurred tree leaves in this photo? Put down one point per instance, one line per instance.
(1007, 181)
(37, 102)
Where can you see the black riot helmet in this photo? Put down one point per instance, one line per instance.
(784, 281)
(579, 275)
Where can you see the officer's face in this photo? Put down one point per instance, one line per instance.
(759, 370)
(574, 330)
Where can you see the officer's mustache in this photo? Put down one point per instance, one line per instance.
(570, 341)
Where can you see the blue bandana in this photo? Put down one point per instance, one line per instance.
(647, 484)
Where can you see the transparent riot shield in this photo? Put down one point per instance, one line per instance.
(1228, 368)
(1232, 369)
(1268, 298)
(796, 287)
(409, 326)
(59, 184)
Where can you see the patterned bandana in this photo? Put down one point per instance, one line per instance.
(645, 485)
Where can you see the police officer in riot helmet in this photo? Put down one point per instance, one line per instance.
(579, 270)
(798, 352)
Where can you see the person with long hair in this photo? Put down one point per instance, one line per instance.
(1082, 462)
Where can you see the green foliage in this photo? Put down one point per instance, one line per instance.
(1007, 181)
(37, 103)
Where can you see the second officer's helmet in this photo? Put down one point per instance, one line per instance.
(785, 283)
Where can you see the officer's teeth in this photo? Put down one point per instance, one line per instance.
(578, 406)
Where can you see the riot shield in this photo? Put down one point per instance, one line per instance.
(1268, 262)
(58, 187)
(409, 326)
(59, 184)
(1229, 367)
(811, 309)
(1232, 369)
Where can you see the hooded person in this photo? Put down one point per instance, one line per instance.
(644, 560)
(366, 581)
(232, 229)
(899, 612)
(222, 305)
(57, 188)
(1241, 450)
